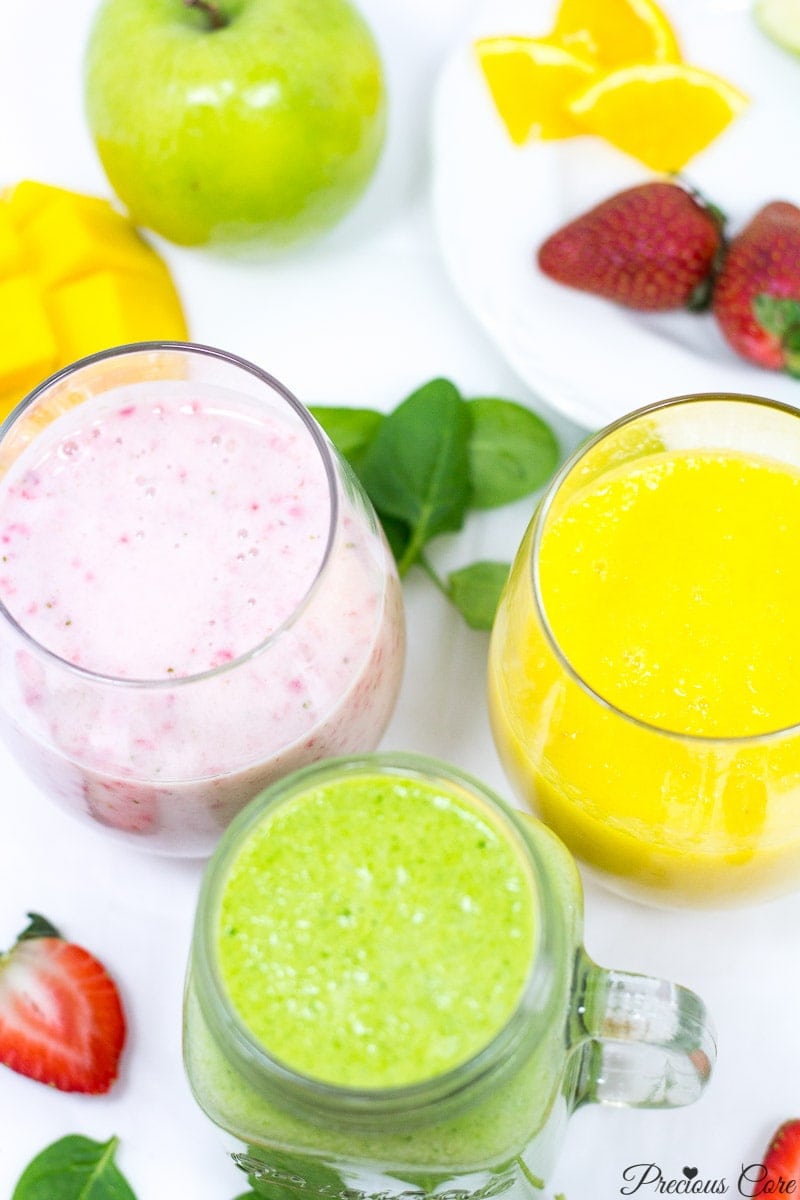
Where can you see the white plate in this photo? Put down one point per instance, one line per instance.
(495, 202)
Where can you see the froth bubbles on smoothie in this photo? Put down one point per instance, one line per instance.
(146, 540)
(376, 931)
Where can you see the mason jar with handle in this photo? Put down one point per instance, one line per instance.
(388, 995)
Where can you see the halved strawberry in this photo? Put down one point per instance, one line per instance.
(61, 1019)
(781, 1164)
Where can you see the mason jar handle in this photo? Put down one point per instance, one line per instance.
(640, 1042)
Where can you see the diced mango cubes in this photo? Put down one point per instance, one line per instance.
(11, 252)
(28, 346)
(75, 278)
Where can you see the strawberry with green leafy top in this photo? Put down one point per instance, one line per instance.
(653, 248)
(61, 1019)
(757, 294)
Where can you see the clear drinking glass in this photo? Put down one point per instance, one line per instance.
(669, 810)
(579, 1034)
(166, 759)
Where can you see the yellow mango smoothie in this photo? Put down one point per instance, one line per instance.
(644, 676)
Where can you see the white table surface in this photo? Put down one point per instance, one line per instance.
(361, 317)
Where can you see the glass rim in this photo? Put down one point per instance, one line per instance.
(540, 521)
(348, 1103)
(199, 351)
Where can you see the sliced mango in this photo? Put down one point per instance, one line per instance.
(75, 278)
(106, 308)
(12, 256)
(28, 349)
(69, 240)
(28, 197)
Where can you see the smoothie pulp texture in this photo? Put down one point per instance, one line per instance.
(669, 584)
(378, 931)
(671, 590)
(375, 932)
(168, 533)
(172, 557)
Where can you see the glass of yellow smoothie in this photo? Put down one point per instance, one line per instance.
(644, 670)
(388, 996)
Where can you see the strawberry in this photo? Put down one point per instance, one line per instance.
(781, 1165)
(132, 807)
(652, 247)
(61, 1020)
(757, 295)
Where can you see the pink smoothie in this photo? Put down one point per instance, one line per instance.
(180, 545)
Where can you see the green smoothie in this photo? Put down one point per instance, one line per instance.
(383, 925)
(375, 932)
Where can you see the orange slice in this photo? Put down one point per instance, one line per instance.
(616, 32)
(531, 80)
(661, 113)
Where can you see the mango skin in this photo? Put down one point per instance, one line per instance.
(75, 278)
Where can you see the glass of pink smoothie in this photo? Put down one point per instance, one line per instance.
(195, 595)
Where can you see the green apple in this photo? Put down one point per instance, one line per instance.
(233, 121)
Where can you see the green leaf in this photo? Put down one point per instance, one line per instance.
(352, 430)
(475, 591)
(700, 297)
(318, 1177)
(512, 452)
(38, 927)
(398, 536)
(417, 468)
(777, 314)
(426, 1182)
(74, 1168)
(791, 351)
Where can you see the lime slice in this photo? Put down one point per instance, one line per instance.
(780, 20)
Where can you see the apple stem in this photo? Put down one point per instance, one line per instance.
(210, 10)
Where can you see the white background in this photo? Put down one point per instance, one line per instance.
(362, 317)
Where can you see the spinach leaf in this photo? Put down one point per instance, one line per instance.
(285, 1176)
(398, 535)
(512, 452)
(351, 430)
(475, 591)
(417, 467)
(74, 1168)
(430, 461)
